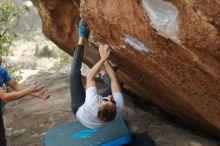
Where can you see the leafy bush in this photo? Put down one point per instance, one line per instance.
(8, 12)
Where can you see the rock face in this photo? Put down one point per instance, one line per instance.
(168, 52)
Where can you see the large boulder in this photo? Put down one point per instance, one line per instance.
(168, 52)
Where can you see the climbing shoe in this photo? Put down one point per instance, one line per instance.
(83, 29)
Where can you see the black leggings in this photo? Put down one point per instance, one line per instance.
(2, 132)
(76, 86)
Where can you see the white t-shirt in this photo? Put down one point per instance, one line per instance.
(87, 113)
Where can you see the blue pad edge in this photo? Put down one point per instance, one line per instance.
(74, 133)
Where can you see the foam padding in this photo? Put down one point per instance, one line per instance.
(73, 133)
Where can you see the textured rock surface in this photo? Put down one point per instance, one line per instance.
(167, 51)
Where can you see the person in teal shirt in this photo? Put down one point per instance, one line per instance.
(20, 91)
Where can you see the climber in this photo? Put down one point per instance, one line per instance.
(92, 109)
(20, 91)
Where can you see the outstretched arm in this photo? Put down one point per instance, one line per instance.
(19, 94)
(90, 78)
(43, 94)
(115, 86)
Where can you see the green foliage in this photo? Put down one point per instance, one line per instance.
(8, 12)
(5, 43)
(14, 71)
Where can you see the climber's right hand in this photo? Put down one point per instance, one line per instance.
(104, 52)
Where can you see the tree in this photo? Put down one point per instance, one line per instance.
(8, 12)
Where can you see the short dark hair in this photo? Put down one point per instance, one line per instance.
(107, 113)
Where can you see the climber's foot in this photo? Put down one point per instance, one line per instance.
(83, 29)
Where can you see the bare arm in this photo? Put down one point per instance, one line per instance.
(115, 86)
(18, 94)
(15, 85)
(43, 94)
(90, 78)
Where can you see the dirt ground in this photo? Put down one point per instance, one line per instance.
(26, 120)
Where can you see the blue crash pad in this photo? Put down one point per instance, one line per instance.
(74, 133)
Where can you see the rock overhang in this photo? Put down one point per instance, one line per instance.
(167, 51)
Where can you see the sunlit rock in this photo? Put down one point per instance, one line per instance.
(28, 4)
(135, 43)
(163, 17)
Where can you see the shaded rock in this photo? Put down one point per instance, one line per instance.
(195, 144)
(60, 20)
(167, 51)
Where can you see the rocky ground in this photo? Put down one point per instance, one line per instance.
(27, 120)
